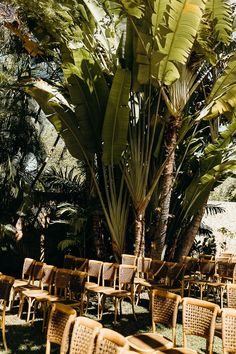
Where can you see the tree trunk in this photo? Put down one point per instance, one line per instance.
(139, 250)
(185, 244)
(158, 243)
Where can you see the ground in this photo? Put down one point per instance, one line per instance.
(23, 338)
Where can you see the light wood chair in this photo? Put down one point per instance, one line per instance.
(109, 275)
(6, 283)
(109, 342)
(94, 273)
(25, 278)
(59, 325)
(84, 334)
(141, 279)
(164, 311)
(198, 319)
(125, 289)
(229, 330)
(31, 295)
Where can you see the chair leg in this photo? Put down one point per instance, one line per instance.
(22, 300)
(103, 300)
(116, 309)
(132, 303)
(4, 331)
(48, 347)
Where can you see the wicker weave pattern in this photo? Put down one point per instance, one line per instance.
(106, 347)
(27, 267)
(126, 274)
(62, 278)
(57, 326)
(162, 310)
(197, 320)
(128, 259)
(231, 295)
(82, 341)
(229, 330)
(94, 268)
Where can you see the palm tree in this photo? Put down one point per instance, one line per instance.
(139, 78)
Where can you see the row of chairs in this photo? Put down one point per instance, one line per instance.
(198, 319)
(88, 336)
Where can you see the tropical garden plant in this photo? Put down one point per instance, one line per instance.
(146, 88)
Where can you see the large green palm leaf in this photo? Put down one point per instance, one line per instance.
(115, 127)
(178, 31)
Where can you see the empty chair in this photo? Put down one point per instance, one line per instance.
(109, 273)
(174, 281)
(25, 278)
(207, 271)
(198, 319)
(84, 334)
(94, 273)
(6, 283)
(229, 330)
(59, 325)
(143, 270)
(109, 342)
(30, 295)
(231, 295)
(164, 310)
(129, 259)
(125, 289)
(217, 286)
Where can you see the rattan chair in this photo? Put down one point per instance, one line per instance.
(198, 319)
(25, 278)
(143, 270)
(164, 311)
(31, 295)
(125, 289)
(174, 281)
(109, 342)
(128, 259)
(231, 295)
(207, 271)
(94, 273)
(109, 274)
(229, 330)
(6, 283)
(84, 334)
(59, 325)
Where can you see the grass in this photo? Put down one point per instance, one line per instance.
(23, 338)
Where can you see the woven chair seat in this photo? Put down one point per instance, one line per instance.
(88, 285)
(143, 282)
(149, 342)
(182, 350)
(34, 292)
(117, 293)
(19, 283)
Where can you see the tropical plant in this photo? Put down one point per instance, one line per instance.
(141, 104)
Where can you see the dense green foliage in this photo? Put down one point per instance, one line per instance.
(144, 89)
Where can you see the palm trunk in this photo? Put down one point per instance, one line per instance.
(139, 250)
(159, 240)
(185, 244)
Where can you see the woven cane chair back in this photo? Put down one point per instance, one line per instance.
(59, 325)
(231, 295)
(27, 268)
(126, 275)
(143, 266)
(94, 270)
(207, 268)
(128, 259)
(37, 272)
(165, 309)
(229, 330)
(77, 282)
(109, 273)
(222, 270)
(175, 273)
(84, 335)
(48, 274)
(199, 319)
(109, 341)
(61, 281)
